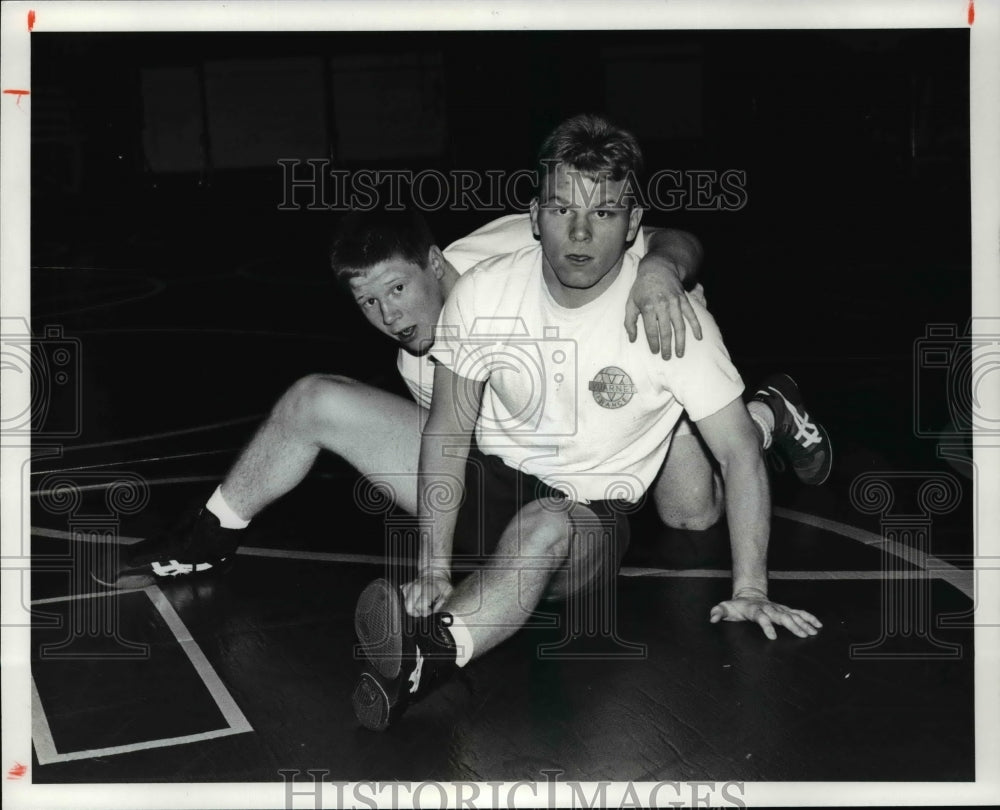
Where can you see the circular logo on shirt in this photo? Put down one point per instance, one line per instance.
(612, 388)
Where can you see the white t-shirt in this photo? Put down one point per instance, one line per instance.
(501, 236)
(568, 398)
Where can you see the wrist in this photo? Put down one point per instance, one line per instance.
(434, 572)
(749, 592)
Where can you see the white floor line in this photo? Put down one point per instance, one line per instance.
(152, 482)
(929, 566)
(59, 534)
(236, 721)
(725, 573)
(962, 579)
(319, 556)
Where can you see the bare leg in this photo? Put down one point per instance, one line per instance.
(374, 431)
(688, 491)
(530, 563)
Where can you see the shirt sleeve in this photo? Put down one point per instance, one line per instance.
(504, 235)
(453, 347)
(704, 380)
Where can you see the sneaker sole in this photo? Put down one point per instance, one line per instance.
(371, 703)
(145, 580)
(829, 468)
(378, 624)
(798, 403)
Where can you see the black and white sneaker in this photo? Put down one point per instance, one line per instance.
(407, 657)
(199, 546)
(802, 439)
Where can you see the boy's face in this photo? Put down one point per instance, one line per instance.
(402, 299)
(584, 226)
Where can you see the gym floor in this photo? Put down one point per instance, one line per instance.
(186, 330)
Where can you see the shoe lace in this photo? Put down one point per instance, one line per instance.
(806, 432)
(418, 670)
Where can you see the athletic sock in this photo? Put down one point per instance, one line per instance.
(763, 417)
(228, 519)
(463, 641)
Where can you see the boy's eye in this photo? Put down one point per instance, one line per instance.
(398, 288)
(368, 302)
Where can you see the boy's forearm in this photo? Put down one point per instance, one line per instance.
(444, 451)
(680, 248)
(440, 487)
(748, 507)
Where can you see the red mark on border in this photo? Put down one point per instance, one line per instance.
(17, 771)
(19, 94)
(31, 20)
(972, 12)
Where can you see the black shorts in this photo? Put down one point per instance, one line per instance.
(495, 493)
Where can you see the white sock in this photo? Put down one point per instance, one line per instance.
(463, 641)
(228, 519)
(763, 416)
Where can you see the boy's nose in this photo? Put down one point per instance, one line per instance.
(390, 314)
(579, 229)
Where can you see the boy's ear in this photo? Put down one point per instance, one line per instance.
(533, 213)
(436, 261)
(634, 221)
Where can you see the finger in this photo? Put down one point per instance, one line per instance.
(407, 591)
(412, 602)
(441, 593)
(808, 617)
(809, 629)
(677, 326)
(691, 317)
(767, 626)
(804, 616)
(666, 336)
(651, 325)
(418, 600)
(795, 625)
(631, 321)
(717, 614)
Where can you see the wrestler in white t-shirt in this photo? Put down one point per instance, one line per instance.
(569, 399)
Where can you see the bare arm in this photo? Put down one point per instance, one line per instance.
(444, 450)
(670, 266)
(732, 438)
(682, 249)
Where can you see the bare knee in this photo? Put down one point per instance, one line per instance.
(313, 401)
(696, 508)
(543, 528)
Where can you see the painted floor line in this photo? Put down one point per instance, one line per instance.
(638, 571)
(318, 556)
(59, 534)
(713, 573)
(152, 482)
(962, 579)
(51, 600)
(235, 718)
(167, 435)
(236, 721)
(130, 461)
